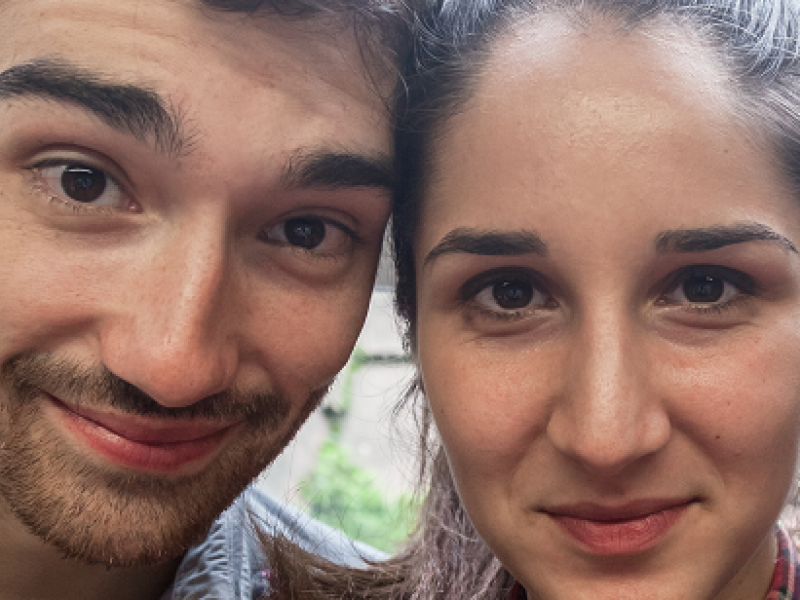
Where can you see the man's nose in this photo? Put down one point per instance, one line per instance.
(173, 336)
(608, 414)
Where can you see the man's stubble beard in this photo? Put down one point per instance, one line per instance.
(111, 516)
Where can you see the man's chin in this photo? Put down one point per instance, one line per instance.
(108, 516)
(102, 505)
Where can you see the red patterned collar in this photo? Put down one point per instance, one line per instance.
(785, 583)
(517, 592)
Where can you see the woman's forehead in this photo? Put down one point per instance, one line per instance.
(658, 64)
(607, 124)
(553, 36)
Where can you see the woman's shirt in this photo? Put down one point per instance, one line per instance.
(785, 579)
(785, 583)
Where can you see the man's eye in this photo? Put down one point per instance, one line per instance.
(82, 184)
(305, 233)
(310, 233)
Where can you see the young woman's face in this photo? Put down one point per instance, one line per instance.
(609, 320)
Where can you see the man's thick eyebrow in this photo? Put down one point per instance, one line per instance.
(718, 236)
(488, 243)
(132, 109)
(335, 170)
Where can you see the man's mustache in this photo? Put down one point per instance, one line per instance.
(28, 375)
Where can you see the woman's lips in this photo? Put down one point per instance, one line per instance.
(145, 444)
(608, 531)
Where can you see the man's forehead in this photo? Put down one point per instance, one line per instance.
(192, 54)
(263, 42)
(251, 93)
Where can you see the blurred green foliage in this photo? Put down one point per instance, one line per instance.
(346, 496)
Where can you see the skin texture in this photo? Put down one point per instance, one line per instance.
(610, 386)
(179, 281)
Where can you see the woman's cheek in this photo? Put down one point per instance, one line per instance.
(489, 405)
(742, 400)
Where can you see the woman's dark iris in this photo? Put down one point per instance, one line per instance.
(703, 288)
(306, 233)
(512, 295)
(83, 184)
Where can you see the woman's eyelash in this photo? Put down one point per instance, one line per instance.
(504, 316)
(721, 307)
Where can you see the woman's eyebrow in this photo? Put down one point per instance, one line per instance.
(718, 236)
(488, 242)
(131, 109)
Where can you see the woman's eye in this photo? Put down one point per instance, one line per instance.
(82, 184)
(311, 233)
(707, 288)
(511, 295)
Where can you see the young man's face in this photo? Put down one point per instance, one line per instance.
(191, 210)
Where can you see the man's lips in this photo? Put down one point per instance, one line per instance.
(148, 430)
(609, 530)
(144, 443)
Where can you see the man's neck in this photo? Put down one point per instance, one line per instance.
(30, 568)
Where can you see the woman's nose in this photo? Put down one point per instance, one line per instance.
(608, 414)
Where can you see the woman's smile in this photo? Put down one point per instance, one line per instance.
(627, 529)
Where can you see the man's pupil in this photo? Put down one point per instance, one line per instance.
(83, 184)
(306, 233)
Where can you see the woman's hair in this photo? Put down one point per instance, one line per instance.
(756, 44)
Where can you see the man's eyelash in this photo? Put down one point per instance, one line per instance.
(79, 208)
